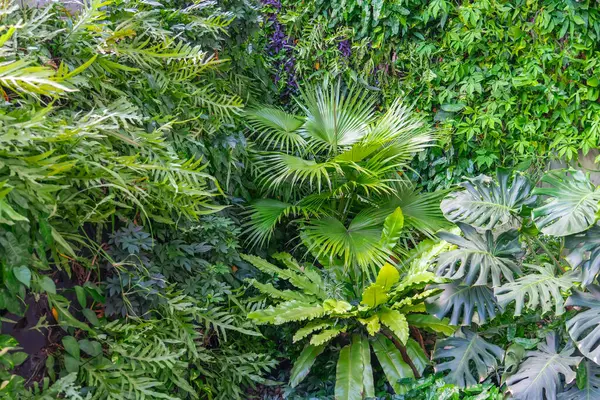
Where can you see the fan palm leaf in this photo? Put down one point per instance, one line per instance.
(276, 129)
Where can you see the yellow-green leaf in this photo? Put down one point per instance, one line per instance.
(372, 324)
(310, 328)
(374, 295)
(326, 336)
(396, 322)
(392, 228)
(388, 276)
(336, 306)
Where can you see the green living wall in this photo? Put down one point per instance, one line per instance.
(506, 82)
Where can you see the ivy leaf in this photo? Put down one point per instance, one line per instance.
(480, 257)
(571, 206)
(463, 350)
(487, 204)
(542, 290)
(303, 363)
(463, 301)
(539, 375)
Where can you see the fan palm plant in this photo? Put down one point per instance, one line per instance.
(339, 170)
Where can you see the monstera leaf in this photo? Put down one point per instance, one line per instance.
(580, 246)
(486, 203)
(588, 388)
(465, 353)
(572, 203)
(462, 301)
(540, 372)
(584, 328)
(479, 257)
(534, 291)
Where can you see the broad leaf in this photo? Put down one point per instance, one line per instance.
(372, 323)
(463, 301)
(417, 356)
(585, 253)
(288, 311)
(584, 328)
(571, 206)
(310, 328)
(349, 373)
(487, 204)
(326, 335)
(304, 363)
(396, 322)
(430, 322)
(590, 385)
(387, 277)
(392, 228)
(465, 353)
(480, 257)
(391, 361)
(365, 352)
(374, 295)
(536, 291)
(540, 374)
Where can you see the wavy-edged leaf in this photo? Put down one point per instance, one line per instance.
(465, 353)
(372, 323)
(288, 311)
(303, 364)
(310, 328)
(539, 375)
(584, 328)
(535, 291)
(374, 295)
(349, 372)
(480, 257)
(463, 301)
(325, 336)
(571, 206)
(276, 128)
(487, 203)
(391, 361)
(396, 322)
(590, 388)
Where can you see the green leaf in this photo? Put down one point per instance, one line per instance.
(374, 295)
(571, 205)
(588, 383)
(310, 328)
(325, 336)
(462, 301)
(305, 361)
(372, 324)
(387, 277)
(90, 316)
(334, 306)
(349, 373)
(542, 290)
(91, 347)
(453, 107)
(396, 322)
(417, 356)
(480, 257)
(288, 311)
(466, 352)
(367, 376)
(487, 204)
(391, 361)
(431, 322)
(23, 274)
(71, 346)
(392, 229)
(71, 364)
(47, 284)
(540, 375)
(81, 297)
(63, 243)
(584, 328)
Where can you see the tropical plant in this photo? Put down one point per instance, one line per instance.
(538, 277)
(378, 318)
(340, 170)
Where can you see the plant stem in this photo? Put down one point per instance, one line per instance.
(543, 246)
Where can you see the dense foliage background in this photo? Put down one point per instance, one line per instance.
(339, 199)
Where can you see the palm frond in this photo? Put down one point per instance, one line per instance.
(276, 128)
(336, 120)
(263, 216)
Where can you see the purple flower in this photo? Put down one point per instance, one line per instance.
(273, 3)
(345, 48)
